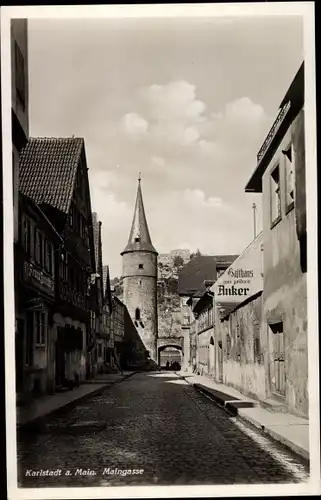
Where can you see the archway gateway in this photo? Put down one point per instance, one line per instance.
(171, 354)
(169, 343)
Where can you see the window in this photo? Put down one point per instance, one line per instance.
(64, 265)
(257, 350)
(93, 320)
(275, 195)
(37, 247)
(289, 179)
(20, 75)
(48, 256)
(40, 324)
(26, 235)
(137, 240)
(137, 314)
(141, 266)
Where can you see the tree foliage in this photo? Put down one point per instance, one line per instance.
(196, 254)
(178, 261)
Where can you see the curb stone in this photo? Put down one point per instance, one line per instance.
(230, 408)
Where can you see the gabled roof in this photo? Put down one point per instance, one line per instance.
(224, 261)
(48, 168)
(201, 268)
(139, 237)
(206, 285)
(205, 299)
(194, 273)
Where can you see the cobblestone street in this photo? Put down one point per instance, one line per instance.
(157, 423)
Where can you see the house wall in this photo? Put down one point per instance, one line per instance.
(285, 287)
(203, 346)
(39, 373)
(243, 356)
(235, 362)
(186, 320)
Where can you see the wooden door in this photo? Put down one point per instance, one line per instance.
(220, 361)
(278, 382)
(211, 358)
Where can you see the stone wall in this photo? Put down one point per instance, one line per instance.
(203, 346)
(243, 354)
(169, 311)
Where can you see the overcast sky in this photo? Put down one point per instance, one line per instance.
(187, 102)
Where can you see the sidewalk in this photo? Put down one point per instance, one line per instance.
(41, 407)
(291, 431)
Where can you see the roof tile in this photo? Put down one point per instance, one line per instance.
(47, 170)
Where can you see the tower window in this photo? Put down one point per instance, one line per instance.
(137, 240)
(141, 266)
(137, 314)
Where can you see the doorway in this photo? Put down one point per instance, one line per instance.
(277, 368)
(211, 357)
(220, 361)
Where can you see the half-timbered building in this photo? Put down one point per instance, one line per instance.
(53, 173)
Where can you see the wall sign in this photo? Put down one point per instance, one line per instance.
(243, 278)
(37, 278)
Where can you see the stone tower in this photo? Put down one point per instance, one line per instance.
(140, 278)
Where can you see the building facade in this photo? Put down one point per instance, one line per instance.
(280, 177)
(35, 280)
(140, 278)
(238, 337)
(53, 173)
(201, 271)
(203, 333)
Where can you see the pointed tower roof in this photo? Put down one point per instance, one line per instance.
(139, 237)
